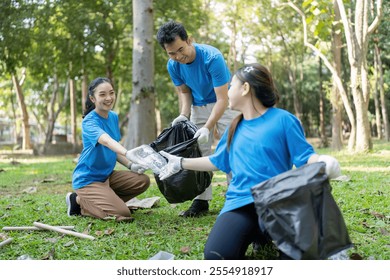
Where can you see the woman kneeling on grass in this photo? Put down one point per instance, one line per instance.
(101, 191)
(260, 143)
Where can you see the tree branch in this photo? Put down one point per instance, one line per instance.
(349, 35)
(23, 78)
(335, 76)
(379, 13)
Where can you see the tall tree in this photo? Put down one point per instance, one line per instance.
(379, 42)
(15, 42)
(357, 35)
(382, 98)
(73, 115)
(360, 138)
(323, 136)
(26, 139)
(51, 55)
(337, 140)
(142, 116)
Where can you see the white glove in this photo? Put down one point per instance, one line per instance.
(133, 166)
(203, 134)
(332, 166)
(136, 168)
(147, 158)
(180, 118)
(172, 167)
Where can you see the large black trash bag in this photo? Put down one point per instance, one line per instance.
(298, 211)
(173, 135)
(186, 184)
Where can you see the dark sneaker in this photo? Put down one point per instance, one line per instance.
(197, 209)
(73, 207)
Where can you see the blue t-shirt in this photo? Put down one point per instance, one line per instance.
(260, 149)
(207, 71)
(96, 161)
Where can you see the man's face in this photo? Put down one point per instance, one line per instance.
(181, 51)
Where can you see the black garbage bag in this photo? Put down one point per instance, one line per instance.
(186, 184)
(173, 135)
(298, 211)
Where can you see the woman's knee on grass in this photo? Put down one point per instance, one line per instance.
(143, 183)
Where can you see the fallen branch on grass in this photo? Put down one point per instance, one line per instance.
(5, 242)
(64, 231)
(34, 228)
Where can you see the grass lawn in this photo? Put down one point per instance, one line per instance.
(34, 188)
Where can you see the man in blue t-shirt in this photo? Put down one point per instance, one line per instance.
(201, 77)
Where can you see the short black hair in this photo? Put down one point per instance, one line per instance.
(168, 32)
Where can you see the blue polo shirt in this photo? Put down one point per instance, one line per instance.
(96, 161)
(207, 71)
(260, 149)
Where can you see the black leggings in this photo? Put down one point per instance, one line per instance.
(232, 233)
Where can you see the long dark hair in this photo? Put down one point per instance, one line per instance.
(89, 105)
(261, 84)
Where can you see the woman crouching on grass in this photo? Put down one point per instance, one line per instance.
(99, 190)
(260, 143)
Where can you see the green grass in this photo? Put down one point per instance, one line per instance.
(364, 202)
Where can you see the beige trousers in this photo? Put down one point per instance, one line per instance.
(199, 116)
(107, 199)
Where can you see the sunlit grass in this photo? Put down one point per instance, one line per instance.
(363, 200)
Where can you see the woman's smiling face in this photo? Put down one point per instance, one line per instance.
(104, 99)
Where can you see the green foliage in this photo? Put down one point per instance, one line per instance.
(15, 22)
(363, 201)
(319, 17)
(71, 38)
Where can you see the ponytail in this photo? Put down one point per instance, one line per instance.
(89, 106)
(232, 129)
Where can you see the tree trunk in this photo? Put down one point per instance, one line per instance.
(15, 134)
(359, 82)
(109, 61)
(293, 81)
(324, 139)
(363, 135)
(73, 115)
(292, 77)
(84, 90)
(337, 140)
(336, 78)
(26, 144)
(357, 43)
(118, 91)
(142, 116)
(232, 57)
(54, 111)
(378, 124)
(385, 116)
(51, 115)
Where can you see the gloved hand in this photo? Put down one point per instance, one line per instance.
(180, 118)
(172, 167)
(203, 134)
(332, 166)
(136, 168)
(147, 158)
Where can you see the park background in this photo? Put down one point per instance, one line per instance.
(329, 60)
